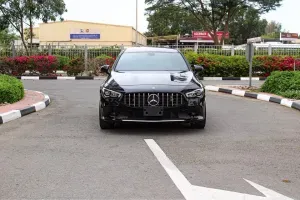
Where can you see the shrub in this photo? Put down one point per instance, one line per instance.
(95, 64)
(63, 61)
(18, 65)
(223, 66)
(45, 65)
(106, 60)
(75, 67)
(237, 66)
(291, 94)
(4, 66)
(285, 83)
(191, 57)
(11, 89)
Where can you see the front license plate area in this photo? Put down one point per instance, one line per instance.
(153, 111)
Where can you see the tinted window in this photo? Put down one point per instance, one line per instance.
(151, 61)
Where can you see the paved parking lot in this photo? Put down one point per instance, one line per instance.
(61, 152)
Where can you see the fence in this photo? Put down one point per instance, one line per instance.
(73, 51)
(90, 52)
(231, 50)
(70, 51)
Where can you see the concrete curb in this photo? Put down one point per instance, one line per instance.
(60, 78)
(232, 78)
(263, 97)
(15, 114)
(103, 78)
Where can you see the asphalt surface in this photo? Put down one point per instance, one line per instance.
(61, 152)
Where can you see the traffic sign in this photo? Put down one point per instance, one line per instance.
(253, 40)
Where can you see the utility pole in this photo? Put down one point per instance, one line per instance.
(136, 24)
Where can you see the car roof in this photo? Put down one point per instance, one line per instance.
(150, 49)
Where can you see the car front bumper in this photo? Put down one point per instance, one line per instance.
(121, 113)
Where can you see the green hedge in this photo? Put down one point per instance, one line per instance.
(286, 84)
(238, 66)
(222, 66)
(11, 89)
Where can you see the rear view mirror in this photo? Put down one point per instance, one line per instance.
(105, 69)
(198, 68)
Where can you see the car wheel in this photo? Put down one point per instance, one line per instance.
(104, 124)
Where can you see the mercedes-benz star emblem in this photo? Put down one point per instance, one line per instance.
(153, 100)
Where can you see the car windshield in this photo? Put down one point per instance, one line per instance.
(151, 61)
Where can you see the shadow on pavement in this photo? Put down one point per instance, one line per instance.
(155, 129)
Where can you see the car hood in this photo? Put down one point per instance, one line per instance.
(152, 78)
(163, 81)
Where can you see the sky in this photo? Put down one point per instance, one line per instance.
(123, 12)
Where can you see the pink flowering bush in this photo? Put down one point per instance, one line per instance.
(45, 65)
(18, 65)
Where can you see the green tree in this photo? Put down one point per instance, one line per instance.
(170, 20)
(246, 24)
(6, 38)
(22, 13)
(273, 30)
(273, 26)
(47, 10)
(3, 23)
(212, 14)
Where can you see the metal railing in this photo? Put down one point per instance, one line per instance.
(73, 51)
(231, 50)
(90, 52)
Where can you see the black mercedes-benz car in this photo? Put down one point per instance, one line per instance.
(152, 85)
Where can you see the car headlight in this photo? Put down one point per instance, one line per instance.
(195, 94)
(110, 94)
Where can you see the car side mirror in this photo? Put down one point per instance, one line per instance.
(105, 69)
(198, 68)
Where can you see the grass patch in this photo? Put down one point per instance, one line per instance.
(11, 89)
(255, 90)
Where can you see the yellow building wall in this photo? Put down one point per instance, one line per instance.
(58, 33)
(142, 40)
(36, 32)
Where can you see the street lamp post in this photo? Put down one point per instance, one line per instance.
(136, 25)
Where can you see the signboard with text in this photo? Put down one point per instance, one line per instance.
(92, 34)
(288, 36)
(204, 35)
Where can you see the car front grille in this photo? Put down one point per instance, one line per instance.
(138, 100)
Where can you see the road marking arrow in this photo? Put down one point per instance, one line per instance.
(192, 192)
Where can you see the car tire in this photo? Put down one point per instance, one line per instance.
(104, 124)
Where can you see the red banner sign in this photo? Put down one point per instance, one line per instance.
(204, 35)
(288, 36)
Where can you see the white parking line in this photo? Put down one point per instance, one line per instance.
(178, 178)
(192, 192)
